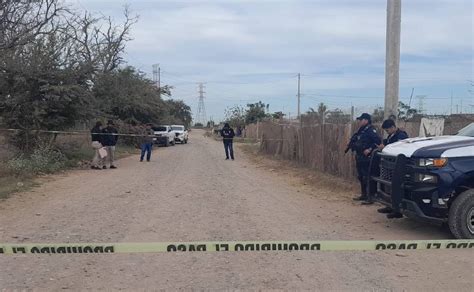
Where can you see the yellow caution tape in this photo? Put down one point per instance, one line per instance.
(232, 246)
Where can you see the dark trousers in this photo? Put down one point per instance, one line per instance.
(146, 148)
(374, 170)
(362, 165)
(398, 182)
(228, 147)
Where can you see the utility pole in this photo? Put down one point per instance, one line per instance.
(411, 96)
(157, 78)
(299, 94)
(461, 105)
(392, 59)
(451, 103)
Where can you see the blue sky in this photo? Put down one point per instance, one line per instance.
(248, 51)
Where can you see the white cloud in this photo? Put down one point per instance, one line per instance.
(226, 40)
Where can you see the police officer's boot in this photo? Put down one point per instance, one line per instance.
(394, 215)
(361, 198)
(368, 201)
(363, 191)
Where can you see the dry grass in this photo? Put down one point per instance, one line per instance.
(9, 183)
(77, 157)
(324, 185)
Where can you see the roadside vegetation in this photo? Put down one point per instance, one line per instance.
(63, 69)
(20, 173)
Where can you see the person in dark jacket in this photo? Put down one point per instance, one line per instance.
(394, 135)
(147, 143)
(96, 138)
(228, 135)
(109, 140)
(366, 141)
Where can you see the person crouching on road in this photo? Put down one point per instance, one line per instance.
(228, 135)
(147, 143)
(394, 135)
(367, 140)
(96, 136)
(110, 138)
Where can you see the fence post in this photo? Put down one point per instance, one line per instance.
(323, 160)
(257, 132)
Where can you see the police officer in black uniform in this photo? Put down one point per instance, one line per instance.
(394, 135)
(365, 141)
(228, 135)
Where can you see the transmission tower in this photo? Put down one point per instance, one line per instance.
(201, 113)
(421, 103)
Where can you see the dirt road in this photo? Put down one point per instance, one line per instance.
(189, 193)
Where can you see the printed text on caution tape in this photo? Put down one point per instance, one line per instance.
(245, 246)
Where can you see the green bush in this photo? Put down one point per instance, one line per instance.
(43, 160)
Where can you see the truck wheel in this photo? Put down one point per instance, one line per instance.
(167, 143)
(173, 143)
(461, 216)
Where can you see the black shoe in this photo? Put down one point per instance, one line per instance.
(394, 215)
(385, 210)
(368, 202)
(227, 158)
(361, 198)
(141, 160)
(113, 167)
(148, 161)
(104, 167)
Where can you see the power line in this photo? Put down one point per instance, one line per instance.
(185, 79)
(362, 97)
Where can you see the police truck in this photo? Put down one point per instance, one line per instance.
(429, 179)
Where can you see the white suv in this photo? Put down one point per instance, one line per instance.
(164, 135)
(181, 134)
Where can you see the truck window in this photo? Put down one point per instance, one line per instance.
(160, 129)
(467, 131)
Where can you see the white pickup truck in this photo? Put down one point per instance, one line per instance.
(181, 134)
(164, 135)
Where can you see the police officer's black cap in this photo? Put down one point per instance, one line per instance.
(365, 116)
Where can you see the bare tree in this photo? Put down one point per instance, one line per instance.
(21, 21)
(99, 41)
